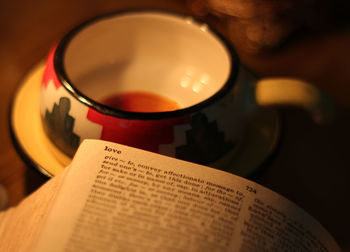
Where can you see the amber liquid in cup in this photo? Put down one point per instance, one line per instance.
(140, 102)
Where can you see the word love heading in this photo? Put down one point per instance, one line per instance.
(109, 149)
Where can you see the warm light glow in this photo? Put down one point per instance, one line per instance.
(82, 99)
(203, 28)
(189, 20)
(69, 88)
(190, 80)
(205, 79)
(185, 81)
(197, 86)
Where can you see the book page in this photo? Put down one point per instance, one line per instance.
(118, 198)
(21, 225)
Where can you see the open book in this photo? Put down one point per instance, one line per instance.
(117, 198)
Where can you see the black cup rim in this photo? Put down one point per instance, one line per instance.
(107, 110)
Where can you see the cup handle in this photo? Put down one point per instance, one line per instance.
(280, 92)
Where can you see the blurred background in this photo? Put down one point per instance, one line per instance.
(312, 164)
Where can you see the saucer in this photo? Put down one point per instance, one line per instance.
(35, 147)
(27, 131)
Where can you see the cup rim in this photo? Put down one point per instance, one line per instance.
(65, 81)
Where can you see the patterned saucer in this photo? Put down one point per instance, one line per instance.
(35, 147)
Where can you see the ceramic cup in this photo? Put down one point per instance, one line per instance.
(135, 54)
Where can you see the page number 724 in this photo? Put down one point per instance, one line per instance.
(251, 189)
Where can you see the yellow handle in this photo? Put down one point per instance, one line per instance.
(292, 92)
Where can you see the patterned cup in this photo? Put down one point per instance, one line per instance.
(165, 55)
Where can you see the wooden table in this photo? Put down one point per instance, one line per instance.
(311, 166)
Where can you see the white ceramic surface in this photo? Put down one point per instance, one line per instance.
(165, 54)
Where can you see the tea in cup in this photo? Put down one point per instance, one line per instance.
(140, 102)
